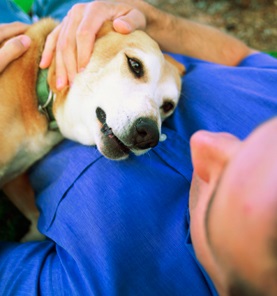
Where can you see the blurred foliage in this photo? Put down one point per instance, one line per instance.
(273, 53)
(25, 5)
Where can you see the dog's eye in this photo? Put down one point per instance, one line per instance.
(167, 107)
(136, 67)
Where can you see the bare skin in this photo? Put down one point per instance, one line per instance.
(73, 42)
(225, 168)
(73, 39)
(232, 203)
(14, 47)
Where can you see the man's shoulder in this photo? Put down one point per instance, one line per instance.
(223, 98)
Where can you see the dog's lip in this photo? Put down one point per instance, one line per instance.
(108, 133)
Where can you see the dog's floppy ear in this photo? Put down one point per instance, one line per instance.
(180, 67)
(105, 29)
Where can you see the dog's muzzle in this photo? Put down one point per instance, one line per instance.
(144, 134)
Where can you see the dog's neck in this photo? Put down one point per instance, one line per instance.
(45, 99)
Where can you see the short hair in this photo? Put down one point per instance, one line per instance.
(240, 287)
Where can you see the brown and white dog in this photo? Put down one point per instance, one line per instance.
(117, 103)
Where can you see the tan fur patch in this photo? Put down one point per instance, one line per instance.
(181, 68)
(105, 29)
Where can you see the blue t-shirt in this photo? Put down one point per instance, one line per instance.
(122, 228)
(10, 12)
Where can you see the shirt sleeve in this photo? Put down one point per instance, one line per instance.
(226, 99)
(259, 60)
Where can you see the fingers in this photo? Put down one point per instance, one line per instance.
(12, 29)
(63, 41)
(133, 20)
(49, 47)
(66, 62)
(74, 38)
(86, 34)
(12, 49)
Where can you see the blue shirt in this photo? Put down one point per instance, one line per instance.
(122, 228)
(10, 12)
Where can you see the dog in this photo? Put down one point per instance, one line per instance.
(117, 103)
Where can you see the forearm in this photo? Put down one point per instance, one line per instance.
(73, 39)
(186, 37)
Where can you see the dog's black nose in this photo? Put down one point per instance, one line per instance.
(146, 133)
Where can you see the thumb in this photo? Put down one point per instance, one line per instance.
(133, 20)
(13, 49)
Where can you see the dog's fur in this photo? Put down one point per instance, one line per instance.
(117, 103)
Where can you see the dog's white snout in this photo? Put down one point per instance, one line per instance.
(146, 133)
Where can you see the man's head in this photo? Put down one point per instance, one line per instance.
(233, 206)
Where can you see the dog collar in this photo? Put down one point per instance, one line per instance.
(45, 98)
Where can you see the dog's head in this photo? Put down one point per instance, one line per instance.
(120, 100)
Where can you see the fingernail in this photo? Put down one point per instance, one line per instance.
(127, 25)
(122, 26)
(25, 40)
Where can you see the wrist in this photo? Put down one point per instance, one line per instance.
(158, 22)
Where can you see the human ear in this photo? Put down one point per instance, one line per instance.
(211, 151)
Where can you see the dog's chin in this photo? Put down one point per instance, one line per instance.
(110, 145)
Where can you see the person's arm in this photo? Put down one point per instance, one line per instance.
(14, 47)
(74, 38)
(179, 35)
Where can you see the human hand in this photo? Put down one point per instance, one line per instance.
(14, 47)
(73, 39)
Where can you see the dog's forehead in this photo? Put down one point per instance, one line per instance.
(110, 61)
(112, 51)
(141, 40)
(113, 43)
